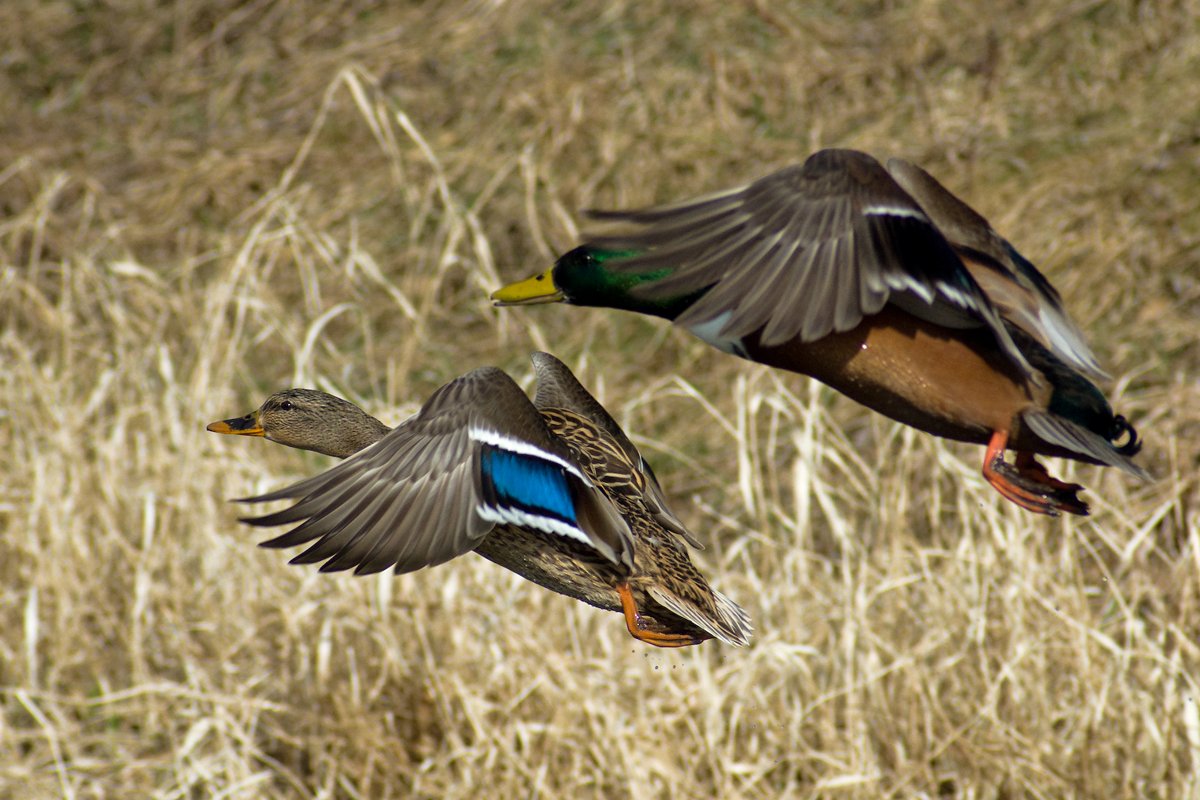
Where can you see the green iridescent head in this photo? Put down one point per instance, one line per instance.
(584, 277)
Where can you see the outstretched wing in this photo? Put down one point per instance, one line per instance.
(557, 387)
(476, 455)
(1010, 280)
(806, 251)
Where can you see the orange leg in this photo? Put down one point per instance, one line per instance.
(1027, 483)
(633, 621)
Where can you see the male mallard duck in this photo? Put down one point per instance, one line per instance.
(552, 490)
(880, 283)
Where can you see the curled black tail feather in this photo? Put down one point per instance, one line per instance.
(1122, 427)
(1086, 444)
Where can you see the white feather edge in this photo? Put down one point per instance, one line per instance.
(879, 210)
(497, 439)
(515, 516)
(1068, 343)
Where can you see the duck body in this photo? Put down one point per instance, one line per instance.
(574, 569)
(552, 490)
(949, 382)
(881, 284)
(909, 369)
(564, 568)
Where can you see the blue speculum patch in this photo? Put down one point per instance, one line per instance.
(529, 483)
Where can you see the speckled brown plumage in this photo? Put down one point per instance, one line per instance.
(644, 570)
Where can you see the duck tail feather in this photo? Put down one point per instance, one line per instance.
(1078, 439)
(727, 621)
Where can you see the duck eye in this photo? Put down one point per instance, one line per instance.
(286, 405)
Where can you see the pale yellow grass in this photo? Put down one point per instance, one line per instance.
(201, 203)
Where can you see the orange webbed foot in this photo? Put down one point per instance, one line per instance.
(638, 629)
(1028, 484)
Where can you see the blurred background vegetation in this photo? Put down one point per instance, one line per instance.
(203, 202)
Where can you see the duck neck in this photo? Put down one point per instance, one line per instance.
(355, 438)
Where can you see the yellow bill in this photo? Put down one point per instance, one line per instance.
(531, 291)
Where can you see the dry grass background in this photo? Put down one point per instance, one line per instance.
(203, 202)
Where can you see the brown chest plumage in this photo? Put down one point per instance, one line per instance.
(949, 383)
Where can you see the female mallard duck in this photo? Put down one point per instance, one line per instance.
(880, 283)
(552, 490)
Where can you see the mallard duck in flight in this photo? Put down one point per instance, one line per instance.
(880, 283)
(551, 489)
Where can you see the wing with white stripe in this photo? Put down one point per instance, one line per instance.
(476, 455)
(1013, 284)
(557, 387)
(807, 251)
